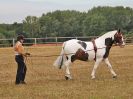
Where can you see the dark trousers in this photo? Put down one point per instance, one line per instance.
(21, 70)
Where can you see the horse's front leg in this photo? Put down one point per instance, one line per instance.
(110, 68)
(68, 75)
(95, 67)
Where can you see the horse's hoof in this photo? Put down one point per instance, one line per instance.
(93, 77)
(68, 78)
(115, 76)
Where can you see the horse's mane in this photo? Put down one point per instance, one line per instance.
(108, 34)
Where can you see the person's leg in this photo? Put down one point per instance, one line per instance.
(24, 72)
(18, 74)
(20, 70)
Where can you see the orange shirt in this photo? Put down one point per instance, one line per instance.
(18, 48)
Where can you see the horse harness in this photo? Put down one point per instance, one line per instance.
(95, 48)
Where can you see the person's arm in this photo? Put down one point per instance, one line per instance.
(20, 50)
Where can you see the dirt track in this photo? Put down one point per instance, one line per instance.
(46, 82)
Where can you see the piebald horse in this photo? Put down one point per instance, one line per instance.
(97, 50)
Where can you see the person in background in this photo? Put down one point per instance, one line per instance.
(19, 57)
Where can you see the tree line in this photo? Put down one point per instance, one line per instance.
(73, 23)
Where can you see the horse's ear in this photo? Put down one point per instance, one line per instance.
(119, 31)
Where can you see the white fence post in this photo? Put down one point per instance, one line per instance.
(56, 40)
(13, 42)
(35, 42)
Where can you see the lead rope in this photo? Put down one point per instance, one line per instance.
(27, 60)
(63, 54)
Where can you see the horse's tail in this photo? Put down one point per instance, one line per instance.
(59, 62)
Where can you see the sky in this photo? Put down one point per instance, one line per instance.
(17, 10)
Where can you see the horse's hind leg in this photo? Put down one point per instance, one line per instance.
(67, 75)
(110, 68)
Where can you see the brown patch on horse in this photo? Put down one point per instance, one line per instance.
(118, 38)
(80, 55)
(108, 42)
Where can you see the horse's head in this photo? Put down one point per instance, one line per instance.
(118, 39)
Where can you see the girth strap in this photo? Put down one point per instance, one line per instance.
(95, 48)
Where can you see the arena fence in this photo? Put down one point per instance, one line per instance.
(51, 40)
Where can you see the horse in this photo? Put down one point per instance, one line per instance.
(97, 50)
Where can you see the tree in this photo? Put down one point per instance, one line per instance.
(73, 23)
(31, 26)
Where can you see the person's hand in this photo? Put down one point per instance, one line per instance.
(27, 54)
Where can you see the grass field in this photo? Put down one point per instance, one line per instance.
(46, 82)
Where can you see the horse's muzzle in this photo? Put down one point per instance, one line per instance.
(122, 45)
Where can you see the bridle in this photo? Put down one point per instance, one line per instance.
(118, 39)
